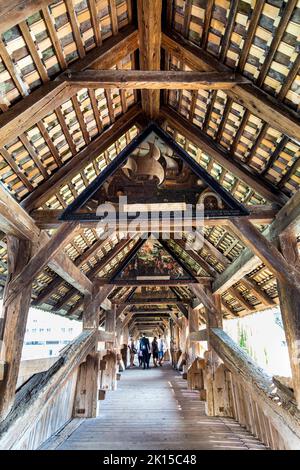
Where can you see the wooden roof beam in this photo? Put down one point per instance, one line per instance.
(49, 96)
(15, 11)
(153, 80)
(71, 168)
(49, 218)
(219, 154)
(287, 219)
(267, 108)
(14, 220)
(149, 27)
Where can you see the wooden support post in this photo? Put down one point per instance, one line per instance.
(193, 325)
(108, 379)
(149, 23)
(217, 397)
(85, 403)
(14, 319)
(290, 310)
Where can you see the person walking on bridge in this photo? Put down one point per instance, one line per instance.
(161, 350)
(145, 348)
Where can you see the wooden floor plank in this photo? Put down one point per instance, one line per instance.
(152, 409)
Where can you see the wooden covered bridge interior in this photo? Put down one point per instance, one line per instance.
(163, 102)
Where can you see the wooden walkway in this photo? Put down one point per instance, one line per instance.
(152, 409)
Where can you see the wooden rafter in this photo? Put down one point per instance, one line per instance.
(288, 218)
(51, 95)
(218, 153)
(14, 220)
(250, 96)
(47, 189)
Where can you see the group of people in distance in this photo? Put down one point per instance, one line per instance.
(144, 350)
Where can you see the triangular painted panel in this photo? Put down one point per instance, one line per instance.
(152, 262)
(154, 169)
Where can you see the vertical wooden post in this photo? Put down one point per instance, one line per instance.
(90, 312)
(85, 403)
(217, 398)
(290, 310)
(109, 374)
(193, 325)
(86, 399)
(15, 314)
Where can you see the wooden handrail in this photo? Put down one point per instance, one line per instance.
(277, 406)
(35, 395)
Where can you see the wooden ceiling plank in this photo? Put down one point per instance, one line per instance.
(277, 38)
(18, 172)
(54, 37)
(250, 96)
(75, 28)
(80, 119)
(208, 145)
(10, 66)
(49, 142)
(15, 11)
(64, 174)
(33, 51)
(207, 19)
(93, 7)
(250, 33)
(114, 17)
(51, 95)
(34, 155)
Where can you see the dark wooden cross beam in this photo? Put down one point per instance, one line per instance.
(153, 80)
(152, 301)
(47, 219)
(154, 282)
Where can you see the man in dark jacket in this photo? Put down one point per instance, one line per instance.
(145, 348)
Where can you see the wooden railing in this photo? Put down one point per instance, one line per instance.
(239, 389)
(266, 410)
(45, 403)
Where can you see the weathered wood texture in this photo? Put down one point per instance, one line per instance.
(217, 152)
(278, 409)
(40, 259)
(266, 251)
(288, 218)
(15, 11)
(153, 409)
(15, 313)
(253, 98)
(149, 26)
(85, 402)
(290, 309)
(14, 220)
(152, 80)
(36, 395)
(51, 95)
(85, 156)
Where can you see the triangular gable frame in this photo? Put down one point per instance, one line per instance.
(133, 253)
(236, 208)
